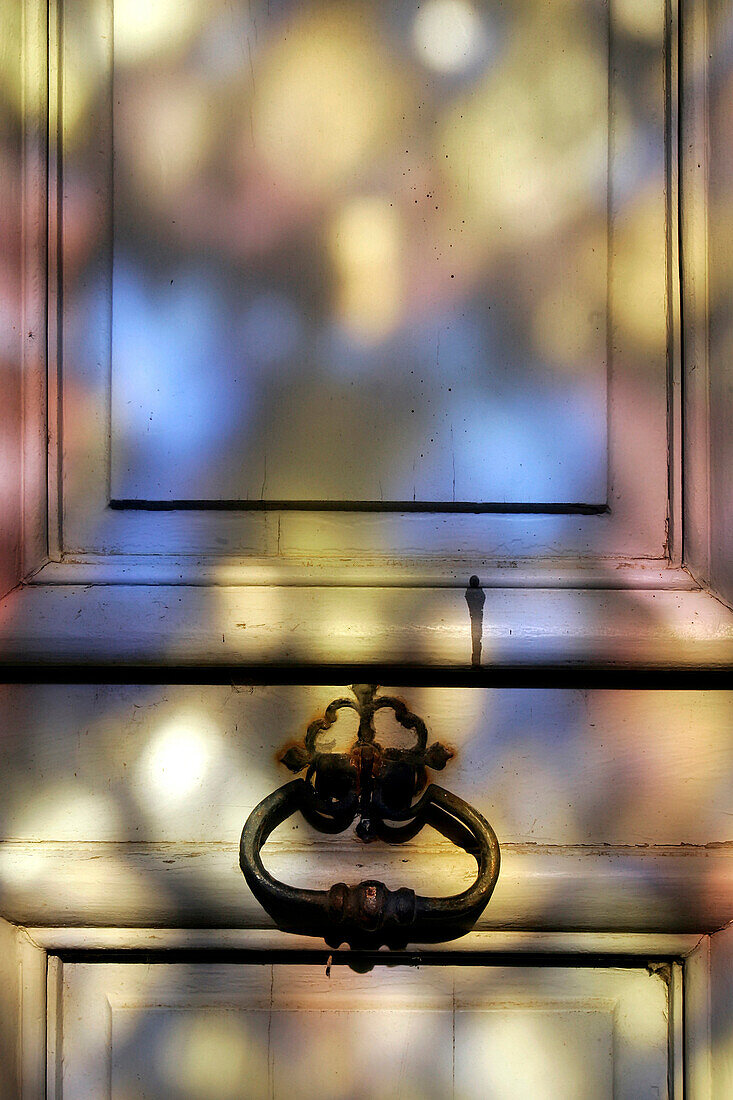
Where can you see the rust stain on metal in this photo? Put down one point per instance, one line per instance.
(386, 791)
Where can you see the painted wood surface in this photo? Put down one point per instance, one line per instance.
(9, 1011)
(32, 1010)
(721, 1012)
(705, 222)
(397, 1031)
(188, 763)
(633, 307)
(11, 297)
(694, 152)
(428, 628)
(414, 572)
(642, 945)
(125, 804)
(180, 885)
(720, 282)
(698, 1067)
(364, 353)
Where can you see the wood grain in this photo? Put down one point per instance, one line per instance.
(180, 885)
(185, 763)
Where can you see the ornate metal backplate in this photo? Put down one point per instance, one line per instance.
(387, 789)
(376, 783)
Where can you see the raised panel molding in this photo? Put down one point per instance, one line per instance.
(637, 521)
(247, 628)
(258, 1013)
(199, 885)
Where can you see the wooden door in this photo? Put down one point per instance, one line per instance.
(279, 359)
(219, 1031)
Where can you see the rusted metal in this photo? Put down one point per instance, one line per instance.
(376, 782)
(387, 789)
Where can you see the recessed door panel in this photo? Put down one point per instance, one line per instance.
(360, 253)
(224, 1031)
(326, 257)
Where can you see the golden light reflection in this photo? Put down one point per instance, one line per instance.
(22, 867)
(212, 1056)
(570, 313)
(447, 34)
(365, 247)
(326, 99)
(177, 758)
(639, 273)
(11, 79)
(638, 18)
(565, 328)
(79, 880)
(148, 29)
(85, 50)
(537, 1047)
(166, 129)
(523, 156)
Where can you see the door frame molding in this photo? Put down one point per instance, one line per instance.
(41, 952)
(44, 86)
(32, 961)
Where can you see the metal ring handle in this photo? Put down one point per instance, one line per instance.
(370, 910)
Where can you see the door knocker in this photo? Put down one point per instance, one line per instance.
(387, 789)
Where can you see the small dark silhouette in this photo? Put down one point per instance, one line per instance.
(476, 598)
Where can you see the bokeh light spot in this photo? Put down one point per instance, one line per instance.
(176, 759)
(448, 35)
(365, 250)
(148, 28)
(326, 100)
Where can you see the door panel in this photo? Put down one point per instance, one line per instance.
(325, 247)
(309, 269)
(217, 1031)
